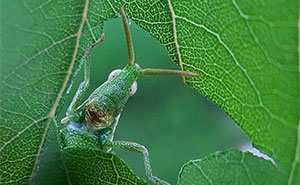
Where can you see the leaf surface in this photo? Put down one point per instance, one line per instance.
(88, 166)
(230, 167)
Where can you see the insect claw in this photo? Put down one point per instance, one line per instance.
(64, 120)
(80, 106)
(101, 39)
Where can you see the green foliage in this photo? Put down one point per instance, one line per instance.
(90, 166)
(230, 167)
(245, 52)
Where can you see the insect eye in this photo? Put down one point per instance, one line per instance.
(133, 88)
(114, 73)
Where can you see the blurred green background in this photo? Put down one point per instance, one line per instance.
(175, 122)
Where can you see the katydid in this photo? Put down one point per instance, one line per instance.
(97, 117)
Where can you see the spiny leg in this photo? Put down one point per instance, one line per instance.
(83, 87)
(135, 147)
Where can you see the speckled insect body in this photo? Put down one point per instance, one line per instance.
(92, 123)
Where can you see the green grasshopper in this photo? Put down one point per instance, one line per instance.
(92, 123)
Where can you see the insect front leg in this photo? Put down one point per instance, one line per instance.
(135, 147)
(73, 114)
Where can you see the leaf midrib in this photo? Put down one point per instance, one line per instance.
(175, 37)
(69, 72)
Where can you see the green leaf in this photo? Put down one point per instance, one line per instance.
(230, 167)
(90, 166)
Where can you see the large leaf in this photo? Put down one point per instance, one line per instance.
(245, 52)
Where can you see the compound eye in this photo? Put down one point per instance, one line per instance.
(114, 73)
(133, 88)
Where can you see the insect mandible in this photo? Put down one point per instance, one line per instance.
(97, 117)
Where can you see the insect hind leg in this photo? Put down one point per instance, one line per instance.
(135, 147)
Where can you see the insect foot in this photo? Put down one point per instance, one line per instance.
(135, 147)
(156, 180)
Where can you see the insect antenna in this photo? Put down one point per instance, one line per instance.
(147, 72)
(156, 72)
(128, 38)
